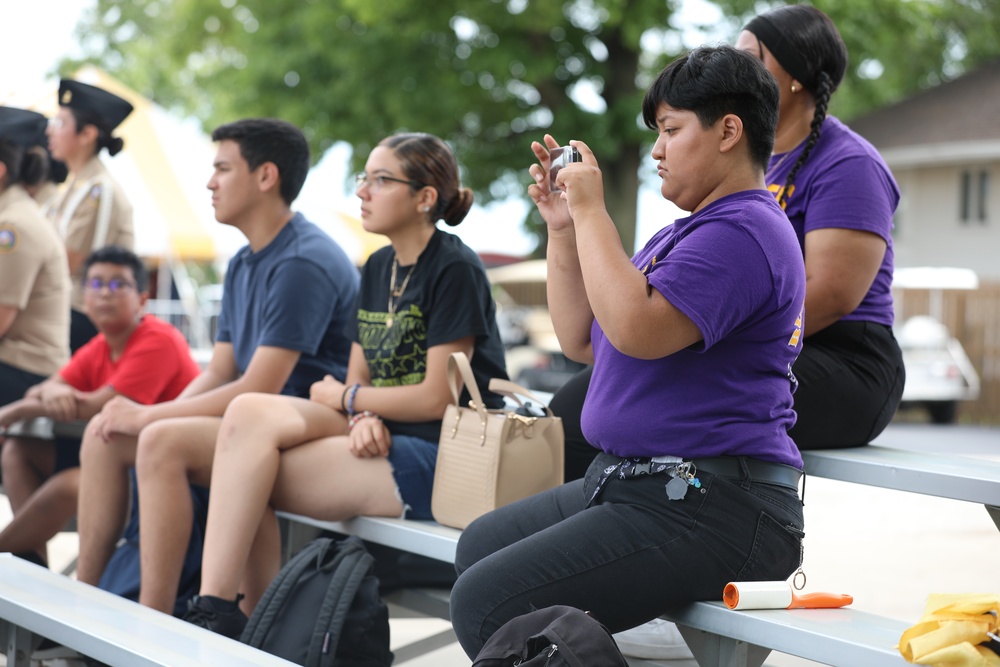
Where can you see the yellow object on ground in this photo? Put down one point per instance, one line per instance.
(951, 630)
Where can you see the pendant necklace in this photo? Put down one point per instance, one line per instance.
(396, 294)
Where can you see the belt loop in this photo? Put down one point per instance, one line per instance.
(803, 496)
(745, 469)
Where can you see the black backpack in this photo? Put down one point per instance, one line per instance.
(557, 636)
(323, 609)
(122, 574)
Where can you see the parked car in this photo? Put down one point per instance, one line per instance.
(938, 372)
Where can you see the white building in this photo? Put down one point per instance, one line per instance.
(943, 146)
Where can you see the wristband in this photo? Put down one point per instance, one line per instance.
(352, 422)
(350, 399)
(347, 388)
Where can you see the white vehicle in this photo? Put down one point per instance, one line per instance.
(938, 372)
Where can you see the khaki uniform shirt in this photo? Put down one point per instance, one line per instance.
(92, 213)
(34, 278)
(48, 197)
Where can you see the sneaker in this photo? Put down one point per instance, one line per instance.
(221, 616)
(656, 640)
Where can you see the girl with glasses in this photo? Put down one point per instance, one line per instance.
(367, 446)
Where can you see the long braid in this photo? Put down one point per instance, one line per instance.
(824, 90)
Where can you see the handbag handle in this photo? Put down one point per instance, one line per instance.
(458, 360)
(515, 391)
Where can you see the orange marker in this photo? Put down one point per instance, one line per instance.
(778, 595)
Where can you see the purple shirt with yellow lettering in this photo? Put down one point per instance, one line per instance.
(735, 269)
(844, 184)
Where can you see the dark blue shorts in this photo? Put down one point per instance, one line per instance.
(67, 454)
(413, 460)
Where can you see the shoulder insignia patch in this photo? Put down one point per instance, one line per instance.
(95, 192)
(8, 239)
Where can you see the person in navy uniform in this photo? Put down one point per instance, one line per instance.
(92, 211)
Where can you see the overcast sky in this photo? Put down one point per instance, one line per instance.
(36, 34)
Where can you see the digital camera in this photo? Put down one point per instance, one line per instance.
(559, 157)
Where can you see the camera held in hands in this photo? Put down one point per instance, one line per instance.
(559, 157)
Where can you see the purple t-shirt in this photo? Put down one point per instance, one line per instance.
(736, 270)
(844, 183)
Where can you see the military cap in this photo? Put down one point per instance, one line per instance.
(107, 108)
(22, 127)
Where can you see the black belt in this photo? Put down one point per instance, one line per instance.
(766, 472)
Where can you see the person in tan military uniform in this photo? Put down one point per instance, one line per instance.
(34, 278)
(93, 211)
(43, 183)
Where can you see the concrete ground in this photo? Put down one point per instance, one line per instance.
(888, 549)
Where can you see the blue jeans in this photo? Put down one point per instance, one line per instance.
(627, 558)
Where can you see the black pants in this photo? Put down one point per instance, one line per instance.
(850, 383)
(14, 382)
(626, 558)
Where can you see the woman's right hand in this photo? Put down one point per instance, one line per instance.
(551, 205)
(370, 438)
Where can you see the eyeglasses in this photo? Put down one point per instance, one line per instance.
(115, 285)
(376, 183)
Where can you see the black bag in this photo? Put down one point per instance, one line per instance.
(554, 636)
(122, 574)
(323, 609)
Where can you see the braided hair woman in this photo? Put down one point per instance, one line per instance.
(840, 197)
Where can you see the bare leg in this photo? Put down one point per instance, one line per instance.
(264, 562)
(172, 454)
(44, 515)
(255, 430)
(104, 500)
(27, 463)
(325, 480)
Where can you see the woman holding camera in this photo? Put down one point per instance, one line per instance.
(692, 341)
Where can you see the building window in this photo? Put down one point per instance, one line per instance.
(984, 195)
(974, 195)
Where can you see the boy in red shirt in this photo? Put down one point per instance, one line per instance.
(134, 355)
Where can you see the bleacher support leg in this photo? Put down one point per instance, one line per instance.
(709, 649)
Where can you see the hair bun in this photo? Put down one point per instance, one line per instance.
(458, 207)
(115, 145)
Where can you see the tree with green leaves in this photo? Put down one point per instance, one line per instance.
(489, 76)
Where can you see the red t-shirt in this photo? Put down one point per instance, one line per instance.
(155, 366)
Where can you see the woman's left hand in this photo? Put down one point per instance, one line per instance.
(370, 438)
(328, 391)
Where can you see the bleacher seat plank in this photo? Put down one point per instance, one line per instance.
(848, 637)
(943, 475)
(37, 601)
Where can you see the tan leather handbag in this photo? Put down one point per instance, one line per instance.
(490, 458)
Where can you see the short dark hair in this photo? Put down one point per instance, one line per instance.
(271, 140)
(115, 254)
(713, 81)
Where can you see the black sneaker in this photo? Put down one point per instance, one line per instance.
(221, 616)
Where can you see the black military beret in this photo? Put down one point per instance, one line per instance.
(22, 127)
(107, 107)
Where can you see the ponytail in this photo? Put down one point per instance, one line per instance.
(824, 90)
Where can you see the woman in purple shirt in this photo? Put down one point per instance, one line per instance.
(840, 197)
(692, 341)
